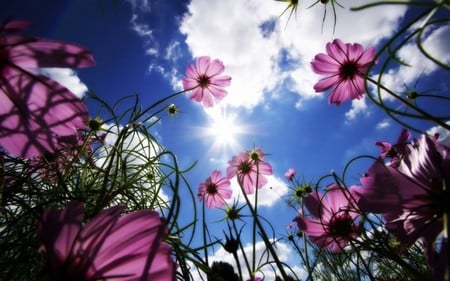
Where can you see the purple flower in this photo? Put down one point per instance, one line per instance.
(205, 81)
(394, 151)
(345, 66)
(250, 168)
(334, 218)
(35, 110)
(108, 247)
(215, 190)
(412, 195)
(289, 174)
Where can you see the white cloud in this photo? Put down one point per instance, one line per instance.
(383, 124)
(284, 253)
(141, 29)
(436, 43)
(140, 5)
(252, 42)
(268, 195)
(66, 77)
(444, 134)
(131, 150)
(358, 107)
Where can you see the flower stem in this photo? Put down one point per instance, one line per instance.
(305, 245)
(204, 234)
(263, 232)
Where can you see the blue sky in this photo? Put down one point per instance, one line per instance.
(143, 47)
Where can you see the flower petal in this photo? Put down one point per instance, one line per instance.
(34, 112)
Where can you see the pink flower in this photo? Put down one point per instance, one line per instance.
(108, 247)
(394, 151)
(36, 110)
(345, 66)
(215, 190)
(290, 173)
(250, 168)
(334, 218)
(205, 81)
(412, 195)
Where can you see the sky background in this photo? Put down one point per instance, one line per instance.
(143, 47)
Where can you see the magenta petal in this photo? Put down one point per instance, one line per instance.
(59, 231)
(47, 53)
(384, 146)
(354, 52)
(337, 50)
(36, 111)
(109, 247)
(221, 81)
(15, 26)
(189, 83)
(215, 67)
(314, 204)
(311, 227)
(324, 64)
(367, 56)
(126, 248)
(326, 83)
(208, 98)
(196, 94)
(203, 64)
(337, 198)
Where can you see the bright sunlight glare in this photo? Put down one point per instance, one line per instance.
(224, 129)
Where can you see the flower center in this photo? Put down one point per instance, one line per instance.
(211, 188)
(203, 81)
(244, 167)
(348, 70)
(341, 226)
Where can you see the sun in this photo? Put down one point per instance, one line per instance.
(224, 129)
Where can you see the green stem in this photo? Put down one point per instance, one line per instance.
(204, 233)
(410, 105)
(305, 245)
(254, 221)
(242, 250)
(263, 232)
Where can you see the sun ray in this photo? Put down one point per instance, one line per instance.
(225, 131)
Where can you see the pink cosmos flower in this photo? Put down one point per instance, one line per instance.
(412, 195)
(215, 190)
(345, 66)
(334, 221)
(250, 168)
(108, 247)
(394, 151)
(289, 174)
(205, 81)
(36, 110)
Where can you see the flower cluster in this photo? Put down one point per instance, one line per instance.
(103, 230)
(412, 195)
(250, 169)
(409, 191)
